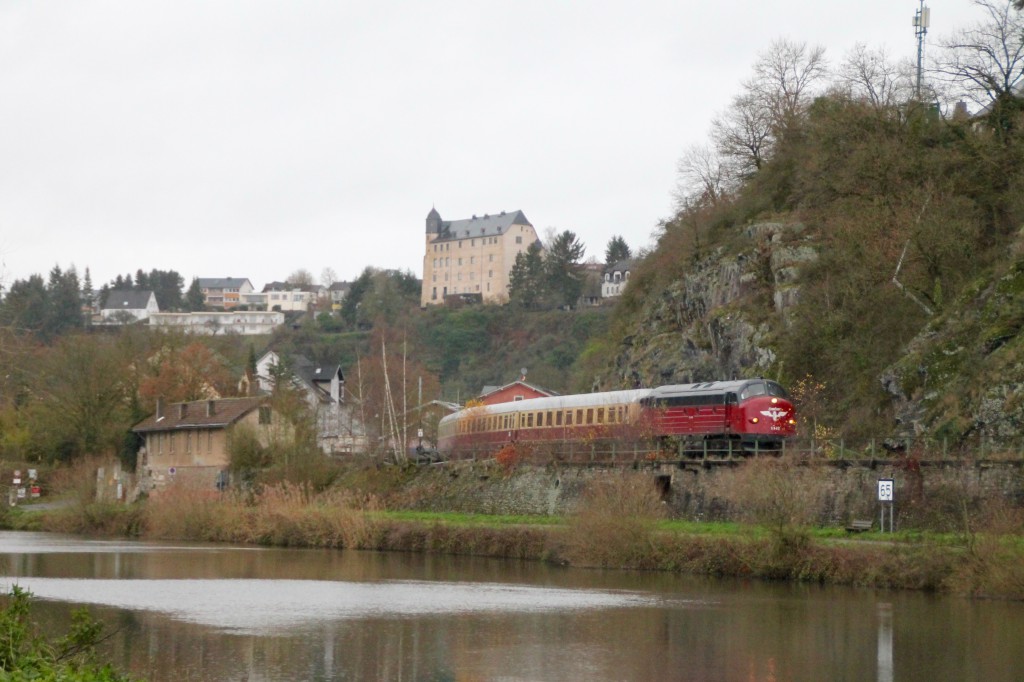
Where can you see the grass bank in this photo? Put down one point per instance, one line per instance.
(617, 525)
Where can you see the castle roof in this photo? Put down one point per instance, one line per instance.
(479, 226)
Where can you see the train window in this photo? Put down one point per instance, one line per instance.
(590, 416)
(776, 390)
(579, 416)
(529, 418)
(540, 419)
(752, 390)
(600, 415)
(548, 419)
(622, 415)
(568, 417)
(558, 418)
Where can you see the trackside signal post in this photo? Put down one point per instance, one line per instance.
(886, 498)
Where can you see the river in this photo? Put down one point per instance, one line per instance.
(192, 612)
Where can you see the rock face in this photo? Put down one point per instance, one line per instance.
(717, 322)
(962, 378)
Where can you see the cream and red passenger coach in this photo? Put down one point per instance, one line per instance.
(748, 414)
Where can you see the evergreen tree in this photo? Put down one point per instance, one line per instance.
(616, 251)
(26, 306)
(194, 301)
(526, 286)
(354, 298)
(65, 303)
(562, 269)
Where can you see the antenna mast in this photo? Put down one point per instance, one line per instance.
(922, 19)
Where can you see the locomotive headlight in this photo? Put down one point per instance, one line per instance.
(792, 422)
(774, 401)
(753, 420)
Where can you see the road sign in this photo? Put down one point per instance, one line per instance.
(885, 490)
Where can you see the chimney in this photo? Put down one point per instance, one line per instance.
(182, 410)
(159, 409)
(960, 111)
(211, 407)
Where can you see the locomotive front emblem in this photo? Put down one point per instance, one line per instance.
(775, 413)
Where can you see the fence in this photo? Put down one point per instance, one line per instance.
(838, 451)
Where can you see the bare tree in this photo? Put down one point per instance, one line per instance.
(984, 63)
(869, 75)
(785, 76)
(301, 277)
(743, 135)
(328, 277)
(702, 175)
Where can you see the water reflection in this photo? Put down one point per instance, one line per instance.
(202, 612)
(884, 642)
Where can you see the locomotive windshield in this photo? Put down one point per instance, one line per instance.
(757, 388)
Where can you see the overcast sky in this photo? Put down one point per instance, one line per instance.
(254, 138)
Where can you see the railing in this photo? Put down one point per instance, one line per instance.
(837, 451)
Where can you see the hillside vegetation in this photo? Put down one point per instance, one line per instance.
(877, 250)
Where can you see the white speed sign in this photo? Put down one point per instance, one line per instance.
(885, 490)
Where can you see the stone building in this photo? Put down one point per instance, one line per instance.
(472, 256)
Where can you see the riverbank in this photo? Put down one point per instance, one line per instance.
(618, 525)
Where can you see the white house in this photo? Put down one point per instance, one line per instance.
(127, 305)
(615, 279)
(339, 431)
(211, 324)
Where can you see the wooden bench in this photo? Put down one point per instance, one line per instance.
(859, 526)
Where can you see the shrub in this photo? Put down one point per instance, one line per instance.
(614, 522)
(26, 655)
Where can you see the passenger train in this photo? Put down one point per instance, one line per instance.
(753, 414)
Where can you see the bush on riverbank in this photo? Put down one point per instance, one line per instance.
(27, 655)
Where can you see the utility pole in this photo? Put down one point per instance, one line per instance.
(922, 18)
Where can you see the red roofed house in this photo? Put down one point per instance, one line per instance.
(517, 390)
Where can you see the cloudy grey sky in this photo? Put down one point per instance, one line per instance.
(252, 138)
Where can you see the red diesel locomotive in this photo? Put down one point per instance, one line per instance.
(716, 415)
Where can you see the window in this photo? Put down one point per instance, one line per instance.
(590, 415)
(600, 415)
(472, 260)
(490, 273)
(188, 441)
(519, 240)
(568, 418)
(433, 294)
(264, 414)
(540, 419)
(579, 416)
(460, 260)
(548, 418)
(529, 418)
(490, 258)
(518, 397)
(558, 418)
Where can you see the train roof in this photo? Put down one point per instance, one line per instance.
(559, 402)
(703, 388)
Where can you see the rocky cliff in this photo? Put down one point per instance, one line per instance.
(720, 319)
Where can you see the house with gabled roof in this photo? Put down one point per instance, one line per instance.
(511, 392)
(339, 430)
(473, 256)
(224, 292)
(616, 277)
(187, 443)
(128, 305)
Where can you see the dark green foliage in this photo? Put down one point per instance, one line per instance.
(194, 301)
(562, 269)
(26, 655)
(45, 310)
(616, 251)
(527, 286)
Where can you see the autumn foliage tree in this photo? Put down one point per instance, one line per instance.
(191, 373)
